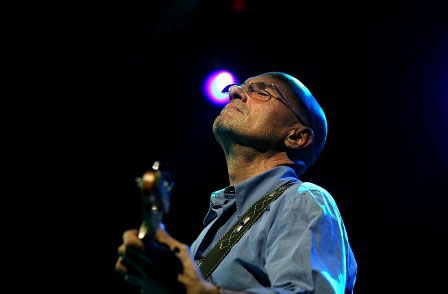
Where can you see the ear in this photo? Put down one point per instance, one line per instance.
(299, 138)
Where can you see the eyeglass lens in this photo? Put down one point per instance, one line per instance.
(255, 90)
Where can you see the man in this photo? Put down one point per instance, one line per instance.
(271, 131)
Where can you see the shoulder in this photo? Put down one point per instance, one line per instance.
(312, 200)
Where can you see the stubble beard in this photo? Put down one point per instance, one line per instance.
(225, 130)
(231, 131)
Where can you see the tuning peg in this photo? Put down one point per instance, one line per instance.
(156, 165)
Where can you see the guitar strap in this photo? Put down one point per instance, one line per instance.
(209, 263)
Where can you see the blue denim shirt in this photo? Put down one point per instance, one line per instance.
(299, 244)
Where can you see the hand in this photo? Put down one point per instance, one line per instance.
(140, 270)
(152, 267)
(191, 277)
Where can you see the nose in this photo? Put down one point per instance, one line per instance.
(236, 92)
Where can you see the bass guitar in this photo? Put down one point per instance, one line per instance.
(155, 188)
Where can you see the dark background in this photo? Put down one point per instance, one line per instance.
(102, 91)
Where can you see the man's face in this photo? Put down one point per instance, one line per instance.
(250, 122)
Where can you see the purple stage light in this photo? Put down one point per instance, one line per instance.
(214, 84)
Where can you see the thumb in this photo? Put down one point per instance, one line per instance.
(163, 237)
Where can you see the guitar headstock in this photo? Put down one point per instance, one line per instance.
(155, 188)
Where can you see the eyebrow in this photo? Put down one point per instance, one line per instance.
(268, 84)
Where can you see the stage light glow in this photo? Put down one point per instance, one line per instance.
(214, 84)
(239, 6)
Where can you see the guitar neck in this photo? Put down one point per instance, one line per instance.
(155, 188)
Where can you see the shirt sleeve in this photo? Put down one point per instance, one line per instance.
(306, 248)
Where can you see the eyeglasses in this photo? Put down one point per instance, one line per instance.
(258, 91)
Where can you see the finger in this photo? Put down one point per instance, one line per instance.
(133, 280)
(133, 268)
(163, 237)
(184, 256)
(181, 250)
(140, 258)
(119, 266)
(123, 264)
(129, 233)
(130, 238)
(122, 250)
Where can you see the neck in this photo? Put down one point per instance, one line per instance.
(245, 162)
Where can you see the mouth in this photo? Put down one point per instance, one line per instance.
(232, 106)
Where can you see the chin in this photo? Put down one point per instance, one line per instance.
(223, 127)
(218, 125)
(221, 121)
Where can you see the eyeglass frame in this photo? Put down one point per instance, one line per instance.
(286, 102)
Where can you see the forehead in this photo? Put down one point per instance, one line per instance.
(264, 79)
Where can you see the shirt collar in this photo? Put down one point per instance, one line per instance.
(249, 191)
